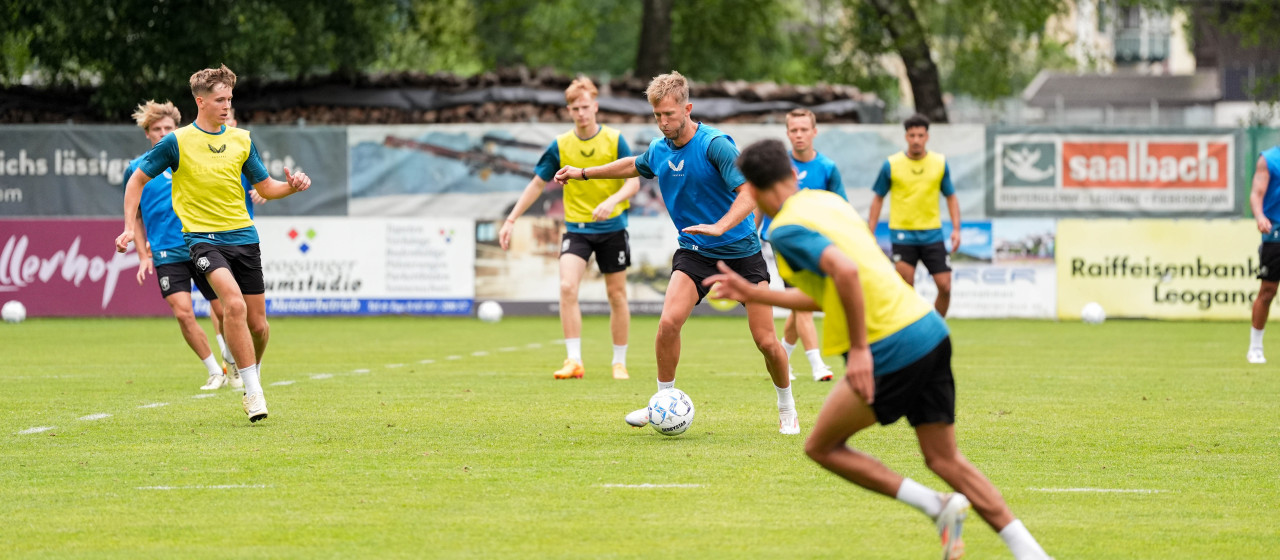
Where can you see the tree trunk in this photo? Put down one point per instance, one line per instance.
(899, 17)
(654, 55)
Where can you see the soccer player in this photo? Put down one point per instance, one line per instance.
(206, 159)
(913, 180)
(897, 350)
(595, 215)
(701, 187)
(1264, 199)
(165, 254)
(815, 171)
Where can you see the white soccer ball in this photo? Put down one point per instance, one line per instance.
(13, 312)
(670, 412)
(489, 312)
(1093, 314)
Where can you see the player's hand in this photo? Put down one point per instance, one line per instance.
(255, 197)
(601, 213)
(565, 173)
(123, 240)
(704, 229)
(955, 239)
(729, 284)
(145, 265)
(1264, 225)
(504, 234)
(297, 181)
(859, 372)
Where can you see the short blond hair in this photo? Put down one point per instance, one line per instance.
(802, 113)
(580, 86)
(151, 112)
(203, 82)
(668, 85)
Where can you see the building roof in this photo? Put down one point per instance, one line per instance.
(1098, 90)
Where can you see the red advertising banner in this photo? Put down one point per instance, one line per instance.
(69, 268)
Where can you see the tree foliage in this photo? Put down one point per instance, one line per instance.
(137, 49)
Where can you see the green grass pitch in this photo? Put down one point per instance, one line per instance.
(1125, 440)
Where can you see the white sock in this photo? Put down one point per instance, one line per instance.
(920, 497)
(1255, 338)
(252, 383)
(574, 346)
(222, 346)
(1021, 543)
(787, 347)
(815, 359)
(666, 385)
(785, 401)
(212, 365)
(620, 354)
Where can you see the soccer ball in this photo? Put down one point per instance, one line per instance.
(1093, 313)
(670, 412)
(489, 312)
(13, 312)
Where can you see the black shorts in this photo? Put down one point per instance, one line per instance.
(177, 277)
(935, 256)
(700, 267)
(924, 392)
(613, 249)
(244, 262)
(1269, 261)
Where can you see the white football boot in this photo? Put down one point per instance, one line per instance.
(788, 422)
(215, 382)
(638, 418)
(255, 406)
(950, 522)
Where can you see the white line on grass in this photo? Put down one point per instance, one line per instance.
(454, 357)
(426, 361)
(212, 487)
(154, 405)
(1102, 490)
(533, 345)
(480, 353)
(322, 376)
(360, 371)
(98, 416)
(647, 485)
(508, 349)
(282, 383)
(35, 430)
(204, 395)
(395, 365)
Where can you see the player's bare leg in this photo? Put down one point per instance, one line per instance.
(259, 328)
(760, 321)
(228, 362)
(572, 267)
(906, 271)
(843, 415)
(682, 295)
(1261, 312)
(943, 281)
(808, 335)
(938, 444)
(180, 304)
(615, 284)
(235, 327)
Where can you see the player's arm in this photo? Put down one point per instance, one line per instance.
(953, 207)
(1261, 178)
(267, 187)
(145, 262)
(741, 208)
(843, 272)
(624, 168)
(530, 194)
(731, 285)
(629, 189)
(132, 201)
(879, 190)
